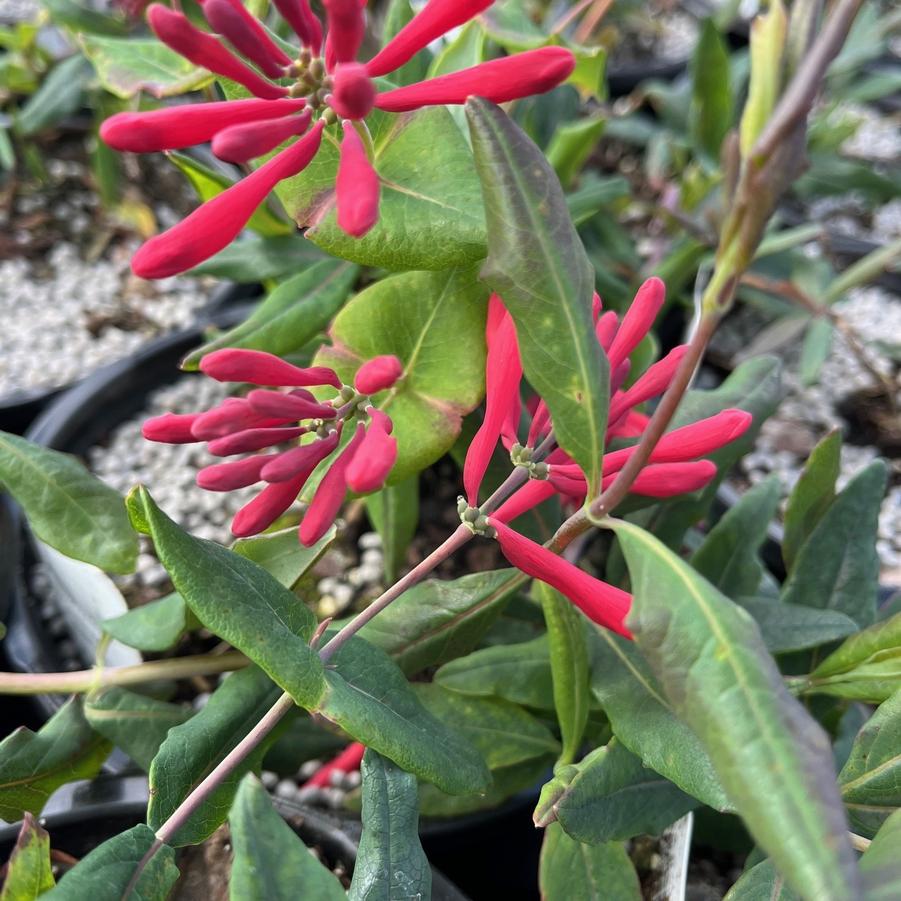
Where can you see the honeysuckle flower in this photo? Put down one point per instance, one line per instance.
(295, 100)
(378, 374)
(273, 420)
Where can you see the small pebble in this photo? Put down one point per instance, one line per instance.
(200, 701)
(336, 778)
(269, 779)
(307, 769)
(370, 541)
(286, 788)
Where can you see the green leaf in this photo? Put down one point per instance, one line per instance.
(34, 764)
(520, 673)
(369, 697)
(572, 145)
(135, 723)
(837, 568)
(257, 258)
(237, 600)
(536, 262)
(879, 864)
(126, 66)
(60, 94)
(866, 667)
(83, 19)
(467, 49)
(643, 720)
(569, 869)
(192, 751)
(437, 621)
(788, 627)
(291, 315)
(282, 555)
(66, 506)
(772, 757)
(812, 496)
(156, 626)
(870, 781)
(394, 514)
(815, 350)
(106, 873)
(390, 862)
(711, 91)
(728, 556)
(568, 649)
(761, 883)
(270, 862)
(29, 872)
(441, 345)
(209, 182)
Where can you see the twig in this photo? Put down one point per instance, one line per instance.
(592, 20)
(858, 842)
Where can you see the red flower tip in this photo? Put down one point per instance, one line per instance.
(437, 18)
(357, 186)
(353, 93)
(305, 24)
(638, 320)
(246, 35)
(605, 329)
(346, 27)
(171, 428)
(265, 508)
(252, 440)
(303, 459)
(596, 307)
(249, 140)
(378, 374)
(670, 479)
(375, 458)
(602, 603)
(256, 367)
(289, 406)
(236, 474)
(329, 494)
(348, 761)
(500, 80)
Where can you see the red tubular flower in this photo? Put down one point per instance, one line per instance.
(256, 367)
(249, 140)
(216, 223)
(500, 80)
(175, 127)
(638, 320)
(300, 17)
(357, 186)
(233, 415)
(353, 93)
(236, 474)
(266, 507)
(246, 35)
(346, 27)
(669, 479)
(378, 374)
(303, 459)
(252, 440)
(329, 494)
(651, 384)
(171, 428)
(602, 603)
(202, 49)
(438, 17)
(289, 406)
(371, 464)
(348, 761)
(533, 493)
(605, 329)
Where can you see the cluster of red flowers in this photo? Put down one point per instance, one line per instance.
(674, 467)
(277, 419)
(328, 85)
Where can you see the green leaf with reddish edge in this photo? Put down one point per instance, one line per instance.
(774, 760)
(371, 700)
(437, 621)
(870, 780)
(282, 555)
(879, 864)
(394, 514)
(66, 506)
(761, 883)
(570, 869)
(270, 861)
(568, 650)
(643, 719)
(126, 66)
(292, 314)
(237, 600)
(107, 872)
(29, 872)
(520, 673)
(156, 626)
(34, 764)
(812, 496)
(434, 322)
(865, 667)
(194, 749)
(390, 861)
(837, 568)
(135, 723)
(537, 264)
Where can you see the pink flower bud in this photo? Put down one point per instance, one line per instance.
(306, 25)
(651, 384)
(438, 17)
(376, 456)
(540, 426)
(218, 222)
(602, 603)
(229, 476)
(353, 92)
(274, 403)
(618, 376)
(638, 320)
(329, 494)
(252, 440)
(175, 127)
(669, 479)
(246, 35)
(346, 27)
(596, 307)
(303, 459)
(378, 374)
(256, 367)
(357, 186)
(265, 508)
(233, 415)
(249, 140)
(500, 80)
(171, 428)
(605, 329)
(202, 49)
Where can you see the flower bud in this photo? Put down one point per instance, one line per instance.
(378, 374)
